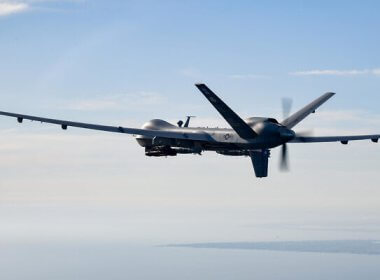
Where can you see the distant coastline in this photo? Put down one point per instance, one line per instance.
(361, 247)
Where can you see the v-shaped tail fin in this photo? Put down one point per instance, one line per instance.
(297, 117)
(260, 162)
(240, 126)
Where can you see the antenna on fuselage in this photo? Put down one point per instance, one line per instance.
(180, 122)
(188, 121)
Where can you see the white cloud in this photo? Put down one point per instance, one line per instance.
(376, 71)
(335, 72)
(246, 76)
(342, 122)
(8, 8)
(341, 115)
(93, 105)
(329, 72)
(117, 101)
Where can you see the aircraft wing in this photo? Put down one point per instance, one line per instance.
(240, 126)
(197, 136)
(297, 117)
(342, 139)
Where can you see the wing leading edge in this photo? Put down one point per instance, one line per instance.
(342, 139)
(197, 136)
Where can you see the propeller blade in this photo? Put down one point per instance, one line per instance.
(284, 161)
(286, 107)
(305, 133)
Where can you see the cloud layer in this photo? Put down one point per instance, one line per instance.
(335, 72)
(361, 247)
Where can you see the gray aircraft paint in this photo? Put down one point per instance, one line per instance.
(253, 137)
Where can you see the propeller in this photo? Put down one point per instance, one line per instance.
(284, 159)
(305, 133)
(286, 107)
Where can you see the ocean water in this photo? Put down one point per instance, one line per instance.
(118, 260)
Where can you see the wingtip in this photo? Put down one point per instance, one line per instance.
(199, 84)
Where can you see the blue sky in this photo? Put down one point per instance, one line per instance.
(125, 62)
(80, 49)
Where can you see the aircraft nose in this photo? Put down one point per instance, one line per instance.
(287, 134)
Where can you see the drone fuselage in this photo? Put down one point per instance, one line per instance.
(224, 140)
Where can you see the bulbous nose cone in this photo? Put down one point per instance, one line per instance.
(287, 134)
